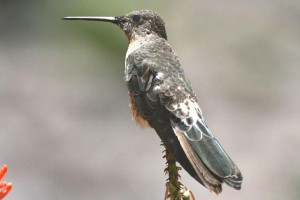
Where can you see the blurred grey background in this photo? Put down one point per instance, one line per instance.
(65, 126)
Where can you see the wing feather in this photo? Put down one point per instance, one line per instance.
(162, 95)
(205, 146)
(205, 176)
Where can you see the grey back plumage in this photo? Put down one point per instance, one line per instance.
(162, 87)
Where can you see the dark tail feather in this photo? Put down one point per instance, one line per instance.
(213, 155)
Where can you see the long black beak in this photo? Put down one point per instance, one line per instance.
(103, 19)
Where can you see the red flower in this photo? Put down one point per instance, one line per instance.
(4, 186)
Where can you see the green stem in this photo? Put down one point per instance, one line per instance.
(173, 180)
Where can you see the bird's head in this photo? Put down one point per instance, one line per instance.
(134, 24)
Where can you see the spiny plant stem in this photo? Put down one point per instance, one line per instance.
(175, 190)
(173, 184)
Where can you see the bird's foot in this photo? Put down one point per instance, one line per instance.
(185, 193)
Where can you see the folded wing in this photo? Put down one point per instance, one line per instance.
(197, 140)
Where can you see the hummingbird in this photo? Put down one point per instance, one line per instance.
(161, 97)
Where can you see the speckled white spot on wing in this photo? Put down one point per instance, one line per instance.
(159, 76)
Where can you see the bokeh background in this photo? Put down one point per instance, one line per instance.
(65, 126)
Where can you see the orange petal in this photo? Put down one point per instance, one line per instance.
(3, 184)
(3, 171)
(5, 190)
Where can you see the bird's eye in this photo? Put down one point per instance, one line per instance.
(136, 18)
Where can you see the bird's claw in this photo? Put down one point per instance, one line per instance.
(185, 193)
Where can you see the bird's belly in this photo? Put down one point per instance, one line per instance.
(136, 113)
